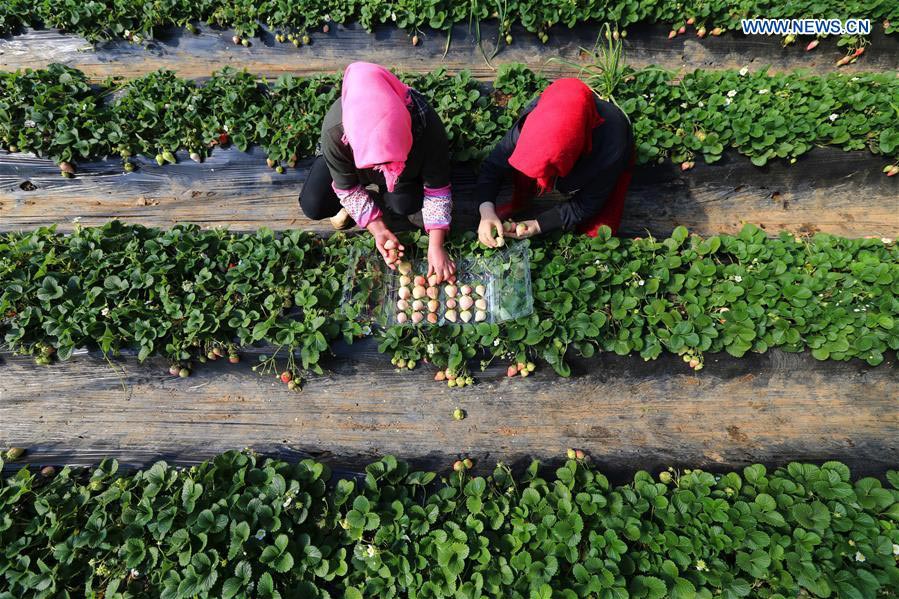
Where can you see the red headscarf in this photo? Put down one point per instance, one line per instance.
(556, 133)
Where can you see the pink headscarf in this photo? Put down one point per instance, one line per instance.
(376, 121)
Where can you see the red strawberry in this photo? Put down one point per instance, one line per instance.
(440, 376)
(231, 265)
(234, 358)
(858, 52)
(512, 371)
(682, 30)
(672, 34)
(691, 20)
(223, 138)
(579, 454)
(286, 377)
(174, 369)
(812, 45)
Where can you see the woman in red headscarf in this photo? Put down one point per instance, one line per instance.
(568, 140)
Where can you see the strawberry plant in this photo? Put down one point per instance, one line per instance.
(159, 114)
(291, 121)
(53, 113)
(242, 525)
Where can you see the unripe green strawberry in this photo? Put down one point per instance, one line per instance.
(509, 39)
(48, 471)
(468, 463)
(169, 157)
(245, 42)
(571, 454)
(531, 367)
(307, 40)
(128, 166)
(14, 453)
(459, 414)
(184, 373)
(665, 477)
(279, 169)
(160, 160)
(458, 466)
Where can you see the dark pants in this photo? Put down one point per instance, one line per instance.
(319, 201)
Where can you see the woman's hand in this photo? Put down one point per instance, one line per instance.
(524, 229)
(490, 222)
(386, 242)
(439, 262)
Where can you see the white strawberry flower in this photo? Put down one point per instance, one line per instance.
(859, 557)
(744, 71)
(430, 348)
(727, 102)
(886, 240)
(764, 91)
(833, 117)
(701, 104)
(895, 549)
(641, 282)
(738, 278)
(496, 342)
(372, 551)
(732, 93)
(701, 566)
(105, 311)
(29, 123)
(287, 502)
(260, 534)
(134, 573)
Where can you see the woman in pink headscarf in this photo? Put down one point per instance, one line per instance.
(383, 133)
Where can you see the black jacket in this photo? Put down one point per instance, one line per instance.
(590, 181)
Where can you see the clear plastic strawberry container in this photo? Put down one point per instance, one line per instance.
(489, 289)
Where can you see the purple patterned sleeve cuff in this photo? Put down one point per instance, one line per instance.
(358, 204)
(437, 208)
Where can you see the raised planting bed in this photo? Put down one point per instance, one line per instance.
(826, 190)
(627, 414)
(244, 525)
(57, 113)
(199, 55)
